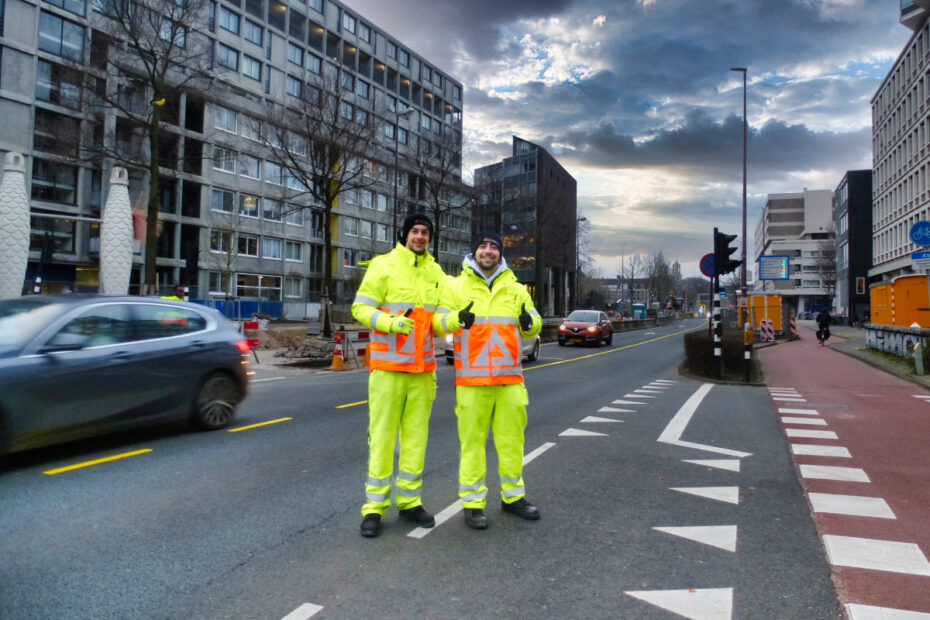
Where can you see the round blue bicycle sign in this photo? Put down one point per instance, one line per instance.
(920, 233)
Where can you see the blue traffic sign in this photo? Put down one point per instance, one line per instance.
(920, 233)
(707, 265)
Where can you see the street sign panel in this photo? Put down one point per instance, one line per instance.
(774, 267)
(920, 260)
(920, 233)
(707, 265)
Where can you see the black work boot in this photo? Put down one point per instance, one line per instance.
(371, 525)
(476, 519)
(418, 515)
(522, 509)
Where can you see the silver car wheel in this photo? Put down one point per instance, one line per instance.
(216, 401)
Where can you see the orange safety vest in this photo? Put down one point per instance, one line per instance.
(412, 352)
(490, 353)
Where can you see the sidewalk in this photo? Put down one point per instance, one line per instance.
(851, 341)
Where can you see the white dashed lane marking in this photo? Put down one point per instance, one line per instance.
(855, 611)
(854, 505)
(809, 421)
(840, 474)
(883, 555)
(798, 411)
(808, 449)
(807, 433)
(307, 610)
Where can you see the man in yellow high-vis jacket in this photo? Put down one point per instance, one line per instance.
(489, 391)
(399, 298)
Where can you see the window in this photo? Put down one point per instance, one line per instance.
(292, 287)
(351, 226)
(457, 92)
(295, 216)
(251, 128)
(391, 50)
(293, 251)
(253, 286)
(220, 241)
(60, 37)
(173, 33)
(402, 135)
(314, 64)
(271, 248)
(73, 6)
(365, 199)
(256, 8)
(247, 245)
(272, 210)
(248, 166)
(364, 32)
(316, 223)
(347, 81)
(295, 54)
(252, 32)
(425, 73)
(58, 231)
(348, 23)
(350, 257)
(345, 110)
(296, 143)
(54, 181)
(365, 229)
(292, 86)
(277, 14)
(219, 283)
(224, 119)
(361, 89)
(56, 133)
(57, 84)
(316, 258)
(224, 159)
(152, 321)
(361, 116)
(251, 68)
(249, 205)
(222, 201)
(273, 173)
(382, 231)
(229, 20)
(316, 5)
(227, 57)
(437, 79)
(382, 203)
(404, 58)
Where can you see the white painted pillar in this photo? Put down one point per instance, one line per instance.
(116, 236)
(14, 226)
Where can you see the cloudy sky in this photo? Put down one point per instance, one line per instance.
(636, 100)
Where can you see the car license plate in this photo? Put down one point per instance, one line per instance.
(577, 340)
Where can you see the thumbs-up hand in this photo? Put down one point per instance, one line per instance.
(402, 323)
(466, 316)
(526, 321)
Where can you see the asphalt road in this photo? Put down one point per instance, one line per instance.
(263, 522)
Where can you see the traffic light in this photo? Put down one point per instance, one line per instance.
(722, 250)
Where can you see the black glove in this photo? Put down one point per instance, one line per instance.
(466, 316)
(526, 321)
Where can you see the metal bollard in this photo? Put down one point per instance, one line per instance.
(748, 337)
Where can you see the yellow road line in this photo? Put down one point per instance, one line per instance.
(245, 428)
(629, 346)
(115, 457)
(361, 402)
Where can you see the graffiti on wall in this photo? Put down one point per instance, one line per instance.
(891, 342)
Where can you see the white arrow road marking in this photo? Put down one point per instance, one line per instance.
(575, 432)
(450, 511)
(676, 427)
(307, 610)
(592, 418)
(854, 505)
(720, 536)
(614, 410)
(709, 604)
(728, 464)
(729, 495)
(855, 611)
(885, 555)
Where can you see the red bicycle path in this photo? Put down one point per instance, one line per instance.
(886, 429)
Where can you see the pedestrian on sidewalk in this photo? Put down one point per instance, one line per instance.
(823, 327)
(489, 390)
(399, 299)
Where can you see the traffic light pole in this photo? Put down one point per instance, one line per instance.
(717, 331)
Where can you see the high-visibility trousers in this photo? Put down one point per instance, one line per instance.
(397, 401)
(502, 408)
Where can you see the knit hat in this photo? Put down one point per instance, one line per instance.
(487, 236)
(412, 220)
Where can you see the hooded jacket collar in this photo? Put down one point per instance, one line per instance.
(410, 257)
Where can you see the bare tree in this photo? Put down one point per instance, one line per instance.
(326, 147)
(658, 275)
(438, 168)
(149, 55)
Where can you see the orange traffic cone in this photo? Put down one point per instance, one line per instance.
(338, 363)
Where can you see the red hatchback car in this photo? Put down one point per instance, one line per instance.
(586, 326)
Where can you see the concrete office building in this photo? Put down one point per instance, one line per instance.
(800, 225)
(531, 200)
(900, 153)
(231, 221)
(852, 217)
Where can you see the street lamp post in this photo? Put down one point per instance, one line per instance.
(577, 254)
(397, 116)
(742, 269)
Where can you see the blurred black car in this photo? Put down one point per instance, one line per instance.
(75, 365)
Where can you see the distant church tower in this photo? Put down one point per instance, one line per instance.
(676, 270)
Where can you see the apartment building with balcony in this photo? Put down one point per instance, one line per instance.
(800, 226)
(232, 222)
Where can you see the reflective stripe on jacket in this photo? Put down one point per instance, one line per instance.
(393, 284)
(490, 352)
